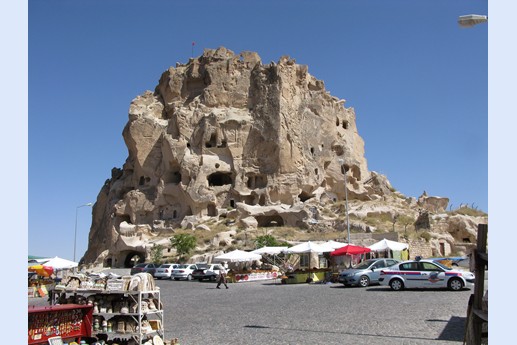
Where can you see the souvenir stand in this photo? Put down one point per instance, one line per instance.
(125, 309)
(70, 322)
(241, 269)
(355, 253)
(47, 271)
(390, 249)
(310, 273)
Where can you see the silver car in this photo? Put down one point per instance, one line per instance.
(366, 272)
(165, 271)
(183, 272)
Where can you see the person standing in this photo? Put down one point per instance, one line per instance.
(222, 276)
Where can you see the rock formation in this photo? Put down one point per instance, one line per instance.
(228, 136)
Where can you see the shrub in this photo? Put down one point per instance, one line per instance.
(184, 243)
(426, 236)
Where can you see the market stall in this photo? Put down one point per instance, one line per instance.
(243, 267)
(390, 249)
(272, 255)
(306, 272)
(47, 273)
(355, 254)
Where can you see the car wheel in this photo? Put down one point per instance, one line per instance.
(212, 278)
(396, 284)
(455, 284)
(364, 281)
(189, 277)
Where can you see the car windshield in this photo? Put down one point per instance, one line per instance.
(182, 266)
(363, 265)
(141, 265)
(165, 266)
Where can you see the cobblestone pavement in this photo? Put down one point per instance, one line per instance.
(266, 313)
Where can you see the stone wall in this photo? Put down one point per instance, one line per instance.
(421, 248)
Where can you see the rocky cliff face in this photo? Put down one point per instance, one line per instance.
(227, 136)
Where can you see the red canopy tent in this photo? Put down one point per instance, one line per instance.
(350, 250)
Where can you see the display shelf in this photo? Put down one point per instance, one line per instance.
(138, 316)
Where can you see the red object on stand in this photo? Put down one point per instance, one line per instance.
(350, 250)
(69, 321)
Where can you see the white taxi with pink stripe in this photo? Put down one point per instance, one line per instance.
(417, 274)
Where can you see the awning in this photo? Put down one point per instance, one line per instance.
(269, 250)
(238, 256)
(350, 249)
(387, 244)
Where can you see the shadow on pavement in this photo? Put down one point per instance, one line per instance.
(344, 333)
(454, 329)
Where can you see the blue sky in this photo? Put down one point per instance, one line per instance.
(417, 81)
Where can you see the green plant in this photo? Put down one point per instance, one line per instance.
(184, 243)
(266, 241)
(426, 236)
(157, 253)
(468, 211)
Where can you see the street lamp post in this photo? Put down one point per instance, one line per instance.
(75, 232)
(345, 170)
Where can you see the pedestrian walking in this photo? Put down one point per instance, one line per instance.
(222, 276)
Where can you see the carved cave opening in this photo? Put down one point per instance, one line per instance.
(133, 258)
(304, 196)
(269, 221)
(220, 179)
(249, 200)
(173, 177)
(143, 180)
(212, 142)
(257, 181)
(211, 210)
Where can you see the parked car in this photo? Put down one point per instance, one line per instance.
(183, 272)
(365, 273)
(425, 274)
(144, 267)
(164, 271)
(209, 272)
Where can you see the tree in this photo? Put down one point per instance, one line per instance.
(157, 253)
(405, 221)
(266, 241)
(184, 243)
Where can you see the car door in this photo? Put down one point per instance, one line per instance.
(376, 269)
(435, 276)
(410, 272)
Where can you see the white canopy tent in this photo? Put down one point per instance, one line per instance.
(269, 250)
(58, 263)
(334, 244)
(387, 244)
(308, 247)
(238, 256)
